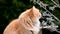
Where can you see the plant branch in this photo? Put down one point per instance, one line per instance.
(55, 3)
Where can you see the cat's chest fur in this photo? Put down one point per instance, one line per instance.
(37, 27)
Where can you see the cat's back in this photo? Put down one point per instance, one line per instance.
(11, 27)
(15, 28)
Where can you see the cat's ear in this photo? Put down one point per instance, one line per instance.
(34, 9)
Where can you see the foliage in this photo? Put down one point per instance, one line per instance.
(11, 9)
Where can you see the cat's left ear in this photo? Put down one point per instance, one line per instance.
(34, 9)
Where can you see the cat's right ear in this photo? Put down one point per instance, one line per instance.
(33, 8)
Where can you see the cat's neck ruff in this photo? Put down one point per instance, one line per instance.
(37, 27)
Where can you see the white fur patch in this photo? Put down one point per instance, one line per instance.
(36, 27)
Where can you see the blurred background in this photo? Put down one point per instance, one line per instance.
(11, 9)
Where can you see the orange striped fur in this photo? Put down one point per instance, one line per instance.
(26, 23)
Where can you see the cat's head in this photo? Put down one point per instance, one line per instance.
(35, 13)
(32, 13)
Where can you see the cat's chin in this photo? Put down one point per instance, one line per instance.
(40, 16)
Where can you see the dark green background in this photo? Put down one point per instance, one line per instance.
(11, 9)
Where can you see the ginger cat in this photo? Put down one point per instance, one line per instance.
(27, 23)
